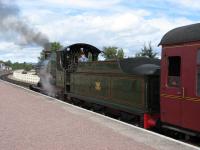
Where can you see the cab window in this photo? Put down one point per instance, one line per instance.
(174, 69)
(58, 61)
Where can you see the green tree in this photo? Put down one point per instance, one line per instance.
(28, 67)
(42, 56)
(24, 65)
(54, 46)
(120, 53)
(147, 51)
(112, 52)
(8, 63)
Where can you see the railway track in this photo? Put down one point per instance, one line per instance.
(5, 76)
(190, 140)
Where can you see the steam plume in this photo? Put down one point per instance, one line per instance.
(10, 21)
(46, 79)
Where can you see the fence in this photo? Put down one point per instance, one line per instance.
(29, 77)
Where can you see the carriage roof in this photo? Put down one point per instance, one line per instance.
(184, 34)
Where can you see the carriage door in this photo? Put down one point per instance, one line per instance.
(171, 86)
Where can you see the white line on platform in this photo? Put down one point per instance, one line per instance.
(97, 114)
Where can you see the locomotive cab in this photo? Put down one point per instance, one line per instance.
(180, 98)
(70, 56)
(68, 60)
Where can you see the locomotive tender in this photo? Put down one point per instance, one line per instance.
(153, 92)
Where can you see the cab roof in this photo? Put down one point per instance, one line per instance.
(74, 48)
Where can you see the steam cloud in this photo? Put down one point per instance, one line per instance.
(10, 21)
(46, 79)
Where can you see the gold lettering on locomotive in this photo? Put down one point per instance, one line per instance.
(98, 86)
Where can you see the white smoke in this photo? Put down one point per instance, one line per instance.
(46, 79)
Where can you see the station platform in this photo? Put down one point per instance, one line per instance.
(32, 121)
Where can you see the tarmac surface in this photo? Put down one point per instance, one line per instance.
(31, 121)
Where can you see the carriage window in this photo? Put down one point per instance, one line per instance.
(198, 82)
(174, 69)
(198, 73)
(198, 57)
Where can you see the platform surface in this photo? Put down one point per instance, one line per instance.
(31, 121)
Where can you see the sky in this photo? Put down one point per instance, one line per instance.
(127, 24)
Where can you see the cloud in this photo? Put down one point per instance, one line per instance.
(191, 4)
(100, 23)
(90, 4)
(129, 30)
(15, 53)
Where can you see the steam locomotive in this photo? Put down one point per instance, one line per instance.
(155, 93)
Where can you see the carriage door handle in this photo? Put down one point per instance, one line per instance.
(183, 92)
